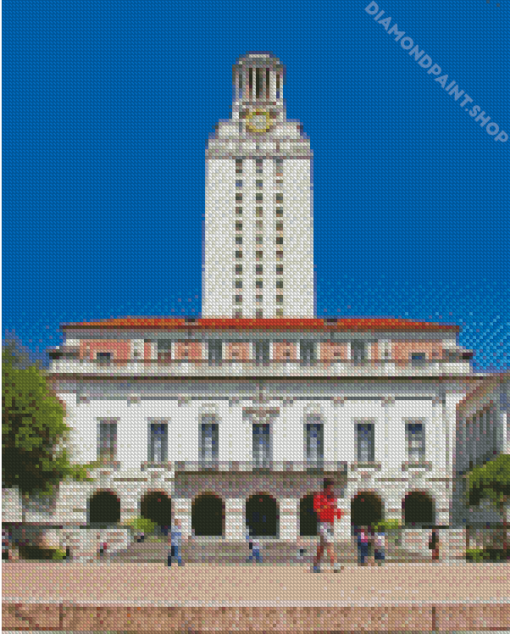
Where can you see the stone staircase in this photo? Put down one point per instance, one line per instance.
(236, 552)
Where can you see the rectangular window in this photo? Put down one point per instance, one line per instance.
(365, 442)
(239, 226)
(259, 255)
(279, 212)
(259, 313)
(239, 198)
(279, 283)
(279, 255)
(262, 352)
(279, 240)
(279, 312)
(358, 352)
(158, 442)
(259, 224)
(164, 350)
(279, 269)
(279, 226)
(259, 284)
(259, 269)
(238, 299)
(259, 163)
(279, 198)
(259, 197)
(307, 352)
(314, 442)
(239, 239)
(239, 183)
(258, 299)
(107, 442)
(239, 211)
(239, 255)
(215, 351)
(418, 358)
(238, 283)
(259, 184)
(104, 358)
(279, 299)
(262, 445)
(259, 240)
(238, 314)
(415, 437)
(259, 211)
(239, 166)
(239, 269)
(209, 441)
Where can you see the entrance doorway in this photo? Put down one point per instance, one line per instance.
(366, 509)
(208, 515)
(262, 516)
(307, 517)
(104, 508)
(157, 507)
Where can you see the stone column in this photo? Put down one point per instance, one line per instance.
(235, 524)
(289, 521)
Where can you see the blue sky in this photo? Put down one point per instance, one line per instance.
(107, 108)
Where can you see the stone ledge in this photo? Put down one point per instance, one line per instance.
(72, 617)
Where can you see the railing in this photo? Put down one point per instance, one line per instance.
(256, 465)
(239, 368)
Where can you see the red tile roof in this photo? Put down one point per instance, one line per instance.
(219, 323)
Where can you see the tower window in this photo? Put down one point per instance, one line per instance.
(258, 284)
(239, 211)
(239, 239)
(258, 298)
(259, 211)
(259, 240)
(238, 283)
(279, 212)
(279, 269)
(259, 224)
(259, 163)
(279, 240)
(239, 226)
(239, 269)
(259, 184)
(279, 299)
(258, 87)
(279, 226)
(279, 312)
(258, 255)
(259, 269)
(239, 166)
(250, 82)
(239, 255)
(260, 197)
(279, 283)
(279, 255)
(267, 83)
(239, 183)
(239, 198)
(278, 86)
(238, 299)
(259, 314)
(279, 198)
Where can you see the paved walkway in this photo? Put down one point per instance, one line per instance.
(210, 585)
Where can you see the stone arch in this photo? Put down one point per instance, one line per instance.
(157, 507)
(418, 509)
(262, 515)
(103, 508)
(366, 509)
(208, 515)
(308, 520)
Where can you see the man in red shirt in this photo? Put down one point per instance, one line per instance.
(324, 504)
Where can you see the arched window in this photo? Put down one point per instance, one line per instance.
(157, 507)
(418, 508)
(366, 509)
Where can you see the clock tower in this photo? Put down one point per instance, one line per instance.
(258, 252)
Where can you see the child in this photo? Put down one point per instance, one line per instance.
(301, 549)
(379, 544)
(363, 540)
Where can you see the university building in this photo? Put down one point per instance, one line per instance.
(235, 418)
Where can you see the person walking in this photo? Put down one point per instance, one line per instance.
(174, 541)
(301, 549)
(254, 546)
(324, 504)
(434, 545)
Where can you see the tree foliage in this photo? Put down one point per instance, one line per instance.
(34, 458)
(492, 481)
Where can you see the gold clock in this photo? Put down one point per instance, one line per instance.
(258, 121)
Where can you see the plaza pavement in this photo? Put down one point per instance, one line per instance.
(204, 597)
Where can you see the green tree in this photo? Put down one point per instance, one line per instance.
(34, 457)
(492, 481)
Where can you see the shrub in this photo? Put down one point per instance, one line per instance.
(142, 524)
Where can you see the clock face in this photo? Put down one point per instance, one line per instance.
(259, 121)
